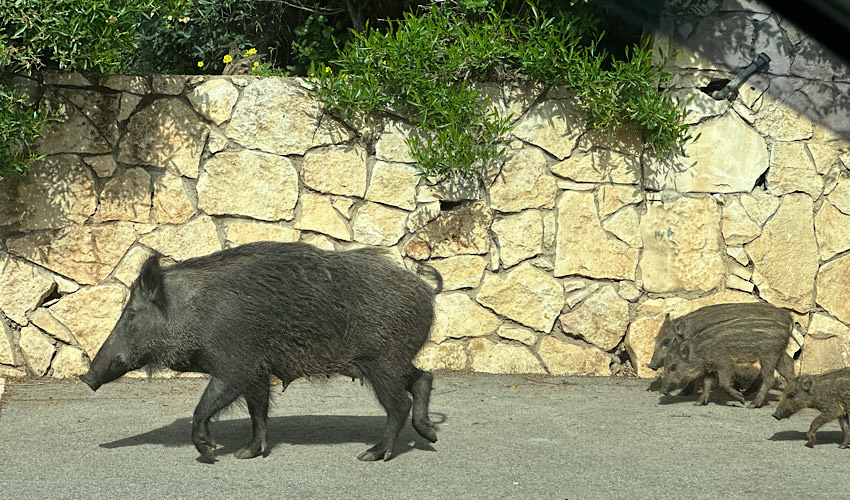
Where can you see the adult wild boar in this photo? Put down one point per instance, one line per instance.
(283, 309)
(828, 392)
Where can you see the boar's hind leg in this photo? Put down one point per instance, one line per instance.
(217, 396)
(767, 378)
(419, 386)
(390, 391)
(724, 378)
(257, 399)
(844, 421)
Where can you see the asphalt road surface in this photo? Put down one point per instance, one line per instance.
(499, 437)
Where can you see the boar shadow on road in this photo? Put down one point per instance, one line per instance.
(719, 398)
(293, 430)
(824, 437)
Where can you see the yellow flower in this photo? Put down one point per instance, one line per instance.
(227, 59)
(251, 51)
(256, 65)
(327, 69)
(200, 64)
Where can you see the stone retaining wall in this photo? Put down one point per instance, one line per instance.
(564, 261)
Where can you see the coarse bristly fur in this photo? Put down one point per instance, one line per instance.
(828, 392)
(283, 309)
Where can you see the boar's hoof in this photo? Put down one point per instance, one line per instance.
(810, 444)
(207, 453)
(844, 446)
(248, 452)
(373, 455)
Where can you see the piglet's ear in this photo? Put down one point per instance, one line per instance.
(806, 383)
(150, 281)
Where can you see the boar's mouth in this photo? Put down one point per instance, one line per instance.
(87, 379)
(779, 415)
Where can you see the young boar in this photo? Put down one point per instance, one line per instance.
(283, 309)
(737, 316)
(829, 392)
(718, 350)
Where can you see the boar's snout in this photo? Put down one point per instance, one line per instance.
(780, 414)
(89, 381)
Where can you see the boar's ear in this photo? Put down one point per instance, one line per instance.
(150, 281)
(685, 350)
(806, 383)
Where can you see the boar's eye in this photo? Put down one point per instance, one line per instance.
(673, 367)
(665, 343)
(792, 394)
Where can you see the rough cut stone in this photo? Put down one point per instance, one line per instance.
(60, 191)
(780, 122)
(827, 345)
(86, 254)
(88, 122)
(42, 318)
(318, 214)
(103, 166)
(169, 84)
(390, 146)
(600, 165)
(195, 238)
(424, 214)
(90, 314)
(573, 358)
(250, 183)
(127, 197)
(127, 83)
(738, 228)
(462, 231)
(612, 197)
(171, 203)
(524, 335)
(491, 357)
(376, 224)
(526, 295)
(729, 157)
(69, 362)
(554, 125)
(625, 226)
(786, 255)
(393, 184)
(832, 229)
(165, 134)
(583, 247)
(520, 236)
(214, 99)
(457, 316)
(439, 357)
(682, 247)
(336, 170)
(22, 288)
(460, 271)
(37, 350)
(840, 195)
(523, 183)
(792, 169)
(130, 266)
(600, 320)
(128, 105)
(7, 345)
(277, 116)
(760, 205)
(239, 233)
(833, 288)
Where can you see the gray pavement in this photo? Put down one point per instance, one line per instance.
(499, 437)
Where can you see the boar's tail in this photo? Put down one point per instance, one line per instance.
(434, 274)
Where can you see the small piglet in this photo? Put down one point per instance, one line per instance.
(283, 309)
(828, 392)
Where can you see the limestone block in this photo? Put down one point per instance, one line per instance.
(781, 122)
(424, 214)
(682, 246)
(526, 295)
(69, 362)
(131, 265)
(792, 169)
(171, 203)
(760, 205)
(438, 357)
(833, 288)
(737, 226)
(462, 231)
(42, 318)
(554, 125)
(584, 247)
(318, 214)
(729, 157)
(826, 345)
(90, 314)
(491, 357)
(815, 62)
(277, 116)
(600, 165)
(612, 197)
(786, 255)
(336, 170)
(22, 288)
(625, 224)
(86, 254)
(250, 183)
(103, 165)
(523, 183)
(128, 105)
(600, 320)
(390, 146)
(457, 316)
(393, 184)
(7, 345)
(127, 197)
(37, 349)
(573, 358)
(88, 122)
(524, 335)
(214, 99)
(840, 195)
(832, 229)
(460, 271)
(376, 224)
(127, 83)
(194, 238)
(165, 134)
(520, 236)
(169, 84)
(239, 233)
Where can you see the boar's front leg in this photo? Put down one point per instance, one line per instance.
(707, 383)
(844, 421)
(817, 423)
(724, 378)
(257, 398)
(216, 397)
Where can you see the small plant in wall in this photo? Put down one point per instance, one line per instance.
(424, 69)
